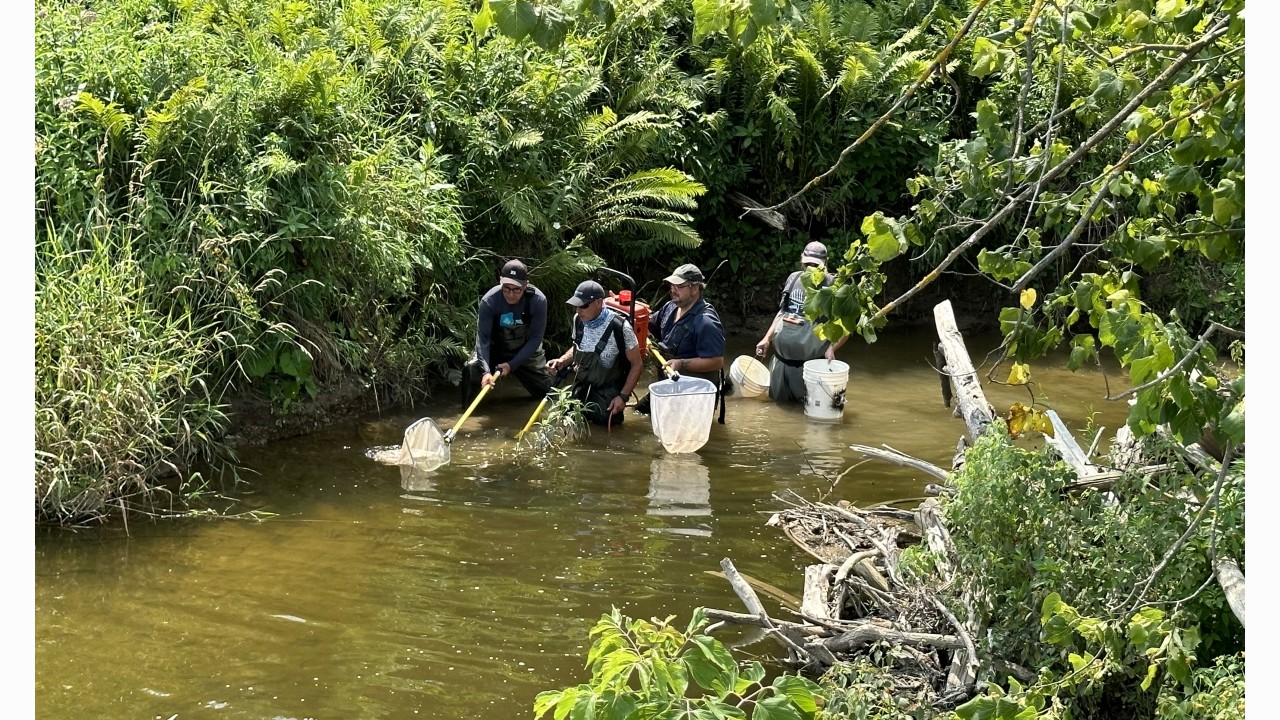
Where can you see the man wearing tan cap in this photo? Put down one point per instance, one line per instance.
(688, 332)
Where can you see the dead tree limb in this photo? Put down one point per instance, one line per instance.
(753, 605)
(967, 389)
(1232, 581)
(898, 458)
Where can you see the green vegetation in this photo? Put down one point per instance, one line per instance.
(646, 669)
(272, 198)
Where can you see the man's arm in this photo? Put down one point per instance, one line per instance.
(635, 354)
(709, 344)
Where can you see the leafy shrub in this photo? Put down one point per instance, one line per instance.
(643, 668)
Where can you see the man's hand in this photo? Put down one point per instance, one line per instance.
(617, 405)
(831, 353)
(762, 347)
(555, 364)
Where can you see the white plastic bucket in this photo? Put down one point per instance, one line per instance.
(824, 385)
(750, 377)
(681, 412)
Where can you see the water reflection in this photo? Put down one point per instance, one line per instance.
(680, 486)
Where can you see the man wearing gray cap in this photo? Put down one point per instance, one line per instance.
(512, 321)
(791, 333)
(605, 353)
(688, 332)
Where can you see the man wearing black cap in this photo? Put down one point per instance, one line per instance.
(513, 318)
(688, 332)
(791, 333)
(606, 355)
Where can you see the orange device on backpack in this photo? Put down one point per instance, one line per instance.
(639, 319)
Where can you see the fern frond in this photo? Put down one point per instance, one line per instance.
(906, 39)
(907, 64)
(522, 207)
(522, 139)
(677, 234)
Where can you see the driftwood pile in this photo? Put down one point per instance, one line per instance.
(856, 598)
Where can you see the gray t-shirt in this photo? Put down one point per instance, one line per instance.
(591, 332)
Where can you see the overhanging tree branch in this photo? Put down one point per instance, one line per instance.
(1159, 83)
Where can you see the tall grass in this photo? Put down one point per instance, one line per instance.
(120, 395)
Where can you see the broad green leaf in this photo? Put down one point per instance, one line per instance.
(800, 691)
(979, 708)
(1167, 10)
(988, 116)
(515, 18)
(1231, 427)
(976, 150)
(709, 17)
(764, 12)
(551, 29)
(986, 58)
(881, 239)
(1134, 22)
(1146, 629)
(776, 708)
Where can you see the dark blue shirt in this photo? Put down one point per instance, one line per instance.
(494, 307)
(696, 335)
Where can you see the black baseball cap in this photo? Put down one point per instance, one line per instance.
(688, 273)
(514, 273)
(588, 291)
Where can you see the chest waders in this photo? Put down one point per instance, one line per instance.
(670, 346)
(504, 343)
(793, 344)
(595, 385)
(510, 339)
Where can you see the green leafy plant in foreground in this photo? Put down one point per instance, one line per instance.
(650, 669)
(1150, 650)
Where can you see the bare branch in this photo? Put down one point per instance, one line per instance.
(1228, 454)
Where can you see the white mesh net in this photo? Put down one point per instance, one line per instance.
(424, 446)
(681, 412)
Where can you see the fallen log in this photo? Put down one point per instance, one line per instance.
(796, 653)
(867, 634)
(1066, 446)
(817, 592)
(966, 388)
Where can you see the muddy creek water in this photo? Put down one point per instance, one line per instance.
(464, 593)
